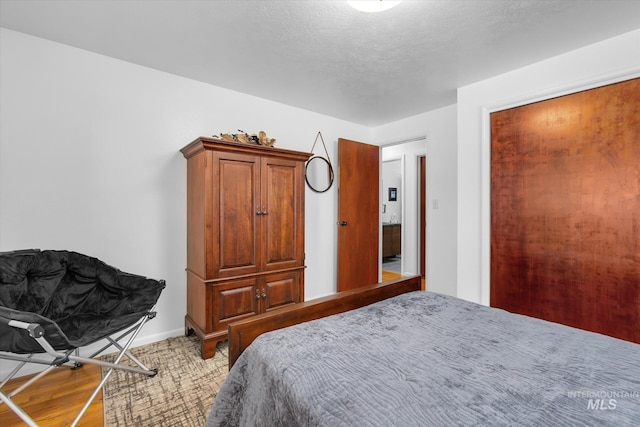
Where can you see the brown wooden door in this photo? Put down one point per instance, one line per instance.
(280, 289)
(281, 206)
(358, 213)
(565, 203)
(235, 218)
(233, 301)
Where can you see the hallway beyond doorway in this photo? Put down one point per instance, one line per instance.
(392, 264)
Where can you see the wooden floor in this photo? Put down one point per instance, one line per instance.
(56, 399)
(390, 275)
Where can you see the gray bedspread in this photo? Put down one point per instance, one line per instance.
(424, 359)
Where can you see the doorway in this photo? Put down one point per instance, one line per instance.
(401, 177)
(391, 216)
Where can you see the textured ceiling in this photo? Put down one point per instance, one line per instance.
(324, 56)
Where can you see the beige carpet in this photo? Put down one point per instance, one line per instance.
(180, 395)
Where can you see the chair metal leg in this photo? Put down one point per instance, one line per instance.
(114, 342)
(129, 355)
(17, 410)
(32, 380)
(16, 370)
(124, 334)
(110, 371)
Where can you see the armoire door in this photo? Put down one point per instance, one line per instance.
(234, 300)
(281, 207)
(236, 214)
(281, 289)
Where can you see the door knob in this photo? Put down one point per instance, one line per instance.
(342, 223)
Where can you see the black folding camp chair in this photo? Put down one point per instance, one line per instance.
(54, 302)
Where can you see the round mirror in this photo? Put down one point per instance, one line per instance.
(318, 174)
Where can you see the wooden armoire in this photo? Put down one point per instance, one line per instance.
(245, 234)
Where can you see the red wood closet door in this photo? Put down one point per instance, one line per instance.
(565, 210)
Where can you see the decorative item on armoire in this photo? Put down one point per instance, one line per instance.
(318, 172)
(260, 138)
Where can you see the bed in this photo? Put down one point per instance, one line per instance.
(419, 358)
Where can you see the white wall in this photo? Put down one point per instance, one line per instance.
(595, 65)
(90, 162)
(439, 128)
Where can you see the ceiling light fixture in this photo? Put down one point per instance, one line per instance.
(373, 5)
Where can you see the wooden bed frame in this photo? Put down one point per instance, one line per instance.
(243, 332)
